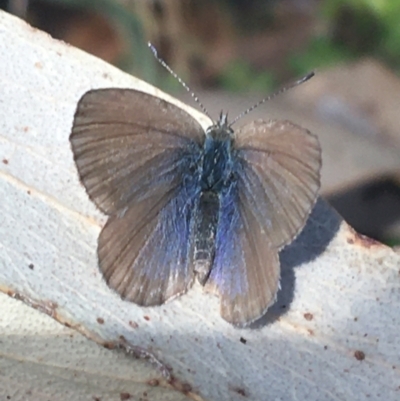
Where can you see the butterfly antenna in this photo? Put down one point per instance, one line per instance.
(278, 92)
(174, 74)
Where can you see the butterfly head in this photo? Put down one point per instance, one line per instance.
(220, 130)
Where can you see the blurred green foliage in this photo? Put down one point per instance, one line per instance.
(239, 77)
(138, 59)
(354, 28)
(320, 53)
(392, 242)
(350, 29)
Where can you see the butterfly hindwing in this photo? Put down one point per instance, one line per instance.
(145, 254)
(245, 272)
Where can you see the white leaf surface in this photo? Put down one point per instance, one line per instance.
(42, 360)
(332, 335)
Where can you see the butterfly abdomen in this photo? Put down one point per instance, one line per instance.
(205, 227)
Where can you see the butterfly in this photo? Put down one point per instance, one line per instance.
(185, 204)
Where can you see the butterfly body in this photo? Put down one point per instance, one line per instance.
(185, 203)
(216, 174)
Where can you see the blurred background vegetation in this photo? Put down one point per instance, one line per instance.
(253, 46)
(231, 44)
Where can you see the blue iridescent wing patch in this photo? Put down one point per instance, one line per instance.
(245, 273)
(145, 254)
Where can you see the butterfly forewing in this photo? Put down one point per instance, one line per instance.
(127, 144)
(135, 155)
(278, 176)
(245, 271)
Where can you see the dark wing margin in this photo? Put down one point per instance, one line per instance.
(127, 144)
(278, 176)
(134, 153)
(245, 272)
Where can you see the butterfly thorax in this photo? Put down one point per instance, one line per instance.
(217, 158)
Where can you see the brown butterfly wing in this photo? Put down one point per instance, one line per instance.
(277, 170)
(279, 176)
(134, 154)
(245, 272)
(128, 144)
(145, 254)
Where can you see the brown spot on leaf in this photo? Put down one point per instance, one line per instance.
(47, 307)
(5, 161)
(183, 387)
(124, 396)
(243, 340)
(240, 391)
(308, 316)
(145, 317)
(359, 355)
(134, 325)
(186, 388)
(100, 320)
(362, 240)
